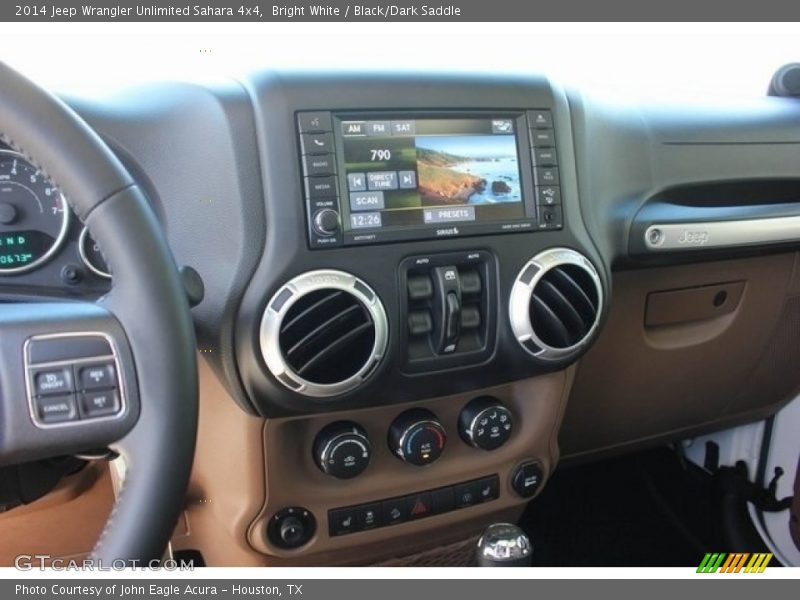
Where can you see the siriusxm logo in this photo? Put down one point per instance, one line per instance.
(448, 231)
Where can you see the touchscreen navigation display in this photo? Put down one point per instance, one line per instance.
(400, 173)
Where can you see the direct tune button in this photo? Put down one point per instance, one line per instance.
(326, 221)
(485, 423)
(417, 437)
(342, 450)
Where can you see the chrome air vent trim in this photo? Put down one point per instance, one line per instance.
(581, 304)
(352, 303)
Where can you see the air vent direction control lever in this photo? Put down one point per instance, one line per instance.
(447, 307)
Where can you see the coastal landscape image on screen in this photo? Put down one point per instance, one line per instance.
(467, 169)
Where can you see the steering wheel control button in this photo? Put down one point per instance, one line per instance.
(52, 381)
(291, 528)
(56, 409)
(99, 404)
(527, 479)
(342, 450)
(485, 423)
(98, 377)
(417, 437)
(79, 372)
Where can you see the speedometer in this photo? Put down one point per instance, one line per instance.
(33, 215)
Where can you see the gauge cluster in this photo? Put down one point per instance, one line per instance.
(42, 243)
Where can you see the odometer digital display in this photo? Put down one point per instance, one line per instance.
(33, 215)
(21, 248)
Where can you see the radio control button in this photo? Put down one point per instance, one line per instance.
(320, 187)
(542, 138)
(540, 119)
(408, 180)
(356, 182)
(318, 165)
(550, 217)
(316, 143)
(382, 180)
(544, 157)
(326, 221)
(354, 128)
(314, 122)
(548, 195)
(546, 175)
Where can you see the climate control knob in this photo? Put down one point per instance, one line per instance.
(342, 450)
(417, 437)
(485, 423)
(326, 221)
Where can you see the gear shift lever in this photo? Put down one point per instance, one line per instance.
(504, 545)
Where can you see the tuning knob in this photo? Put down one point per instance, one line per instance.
(485, 423)
(417, 437)
(342, 450)
(326, 221)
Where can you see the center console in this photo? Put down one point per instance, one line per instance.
(425, 288)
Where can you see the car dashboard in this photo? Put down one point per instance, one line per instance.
(424, 291)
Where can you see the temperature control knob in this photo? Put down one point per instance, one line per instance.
(326, 221)
(417, 437)
(342, 450)
(485, 423)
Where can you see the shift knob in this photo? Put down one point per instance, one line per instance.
(504, 545)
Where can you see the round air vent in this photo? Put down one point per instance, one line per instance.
(555, 304)
(323, 333)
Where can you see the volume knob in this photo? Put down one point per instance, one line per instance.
(326, 221)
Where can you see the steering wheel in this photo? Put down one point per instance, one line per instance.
(137, 342)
